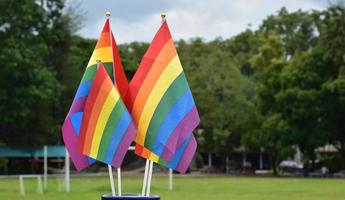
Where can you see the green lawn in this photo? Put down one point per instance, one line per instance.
(189, 188)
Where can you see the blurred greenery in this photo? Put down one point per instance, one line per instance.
(277, 87)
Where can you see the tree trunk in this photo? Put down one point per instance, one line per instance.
(209, 162)
(244, 159)
(6, 167)
(261, 162)
(227, 167)
(274, 166)
(313, 157)
(342, 149)
(342, 152)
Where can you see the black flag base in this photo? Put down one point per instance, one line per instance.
(130, 197)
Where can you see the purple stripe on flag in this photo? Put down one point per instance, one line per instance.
(77, 106)
(185, 135)
(124, 144)
(70, 139)
(187, 156)
(181, 132)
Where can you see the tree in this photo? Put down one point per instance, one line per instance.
(222, 94)
(241, 48)
(296, 30)
(300, 100)
(28, 86)
(273, 129)
(332, 29)
(131, 55)
(303, 92)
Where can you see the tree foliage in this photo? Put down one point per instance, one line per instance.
(28, 86)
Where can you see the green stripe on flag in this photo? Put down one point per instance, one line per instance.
(162, 162)
(90, 72)
(174, 92)
(114, 119)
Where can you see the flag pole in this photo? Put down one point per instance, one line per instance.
(149, 163)
(110, 170)
(170, 179)
(108, 14)
(149, 178)
(119, 181)
(143, 191)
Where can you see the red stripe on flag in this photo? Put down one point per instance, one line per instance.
(99, 79)
(119, 74)
(157, 44)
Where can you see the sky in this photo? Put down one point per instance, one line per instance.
(138, 20)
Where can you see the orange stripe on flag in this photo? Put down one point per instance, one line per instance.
(145, 153)
(164, 57)
(104, 40)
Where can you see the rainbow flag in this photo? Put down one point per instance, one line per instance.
(107, 128)
(160, 100)
(180, 160)
(107, 51)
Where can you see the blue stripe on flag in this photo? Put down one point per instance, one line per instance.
(76, 122)
(117, 136)
(178, 153)
(90, 160)
(175, 115)
(83, 89)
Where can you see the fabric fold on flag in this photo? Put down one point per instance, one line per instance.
(107, 129)
(181, 159)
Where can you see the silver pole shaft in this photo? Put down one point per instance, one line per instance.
(67, 174)
(143, 191)
(45, 167)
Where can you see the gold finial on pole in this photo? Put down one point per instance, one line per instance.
(163, 15)
(98, 61)
(107, 14)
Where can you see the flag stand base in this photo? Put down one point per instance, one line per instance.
(129, 197)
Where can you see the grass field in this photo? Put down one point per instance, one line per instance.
(189, 188)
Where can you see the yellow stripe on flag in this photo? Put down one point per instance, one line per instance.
(172, 71)
(104, 53)
(154, 157)
(107, 108)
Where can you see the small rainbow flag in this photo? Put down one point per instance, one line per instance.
(107, 128)
(107, 51)
(160, 99)
(180, 160)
